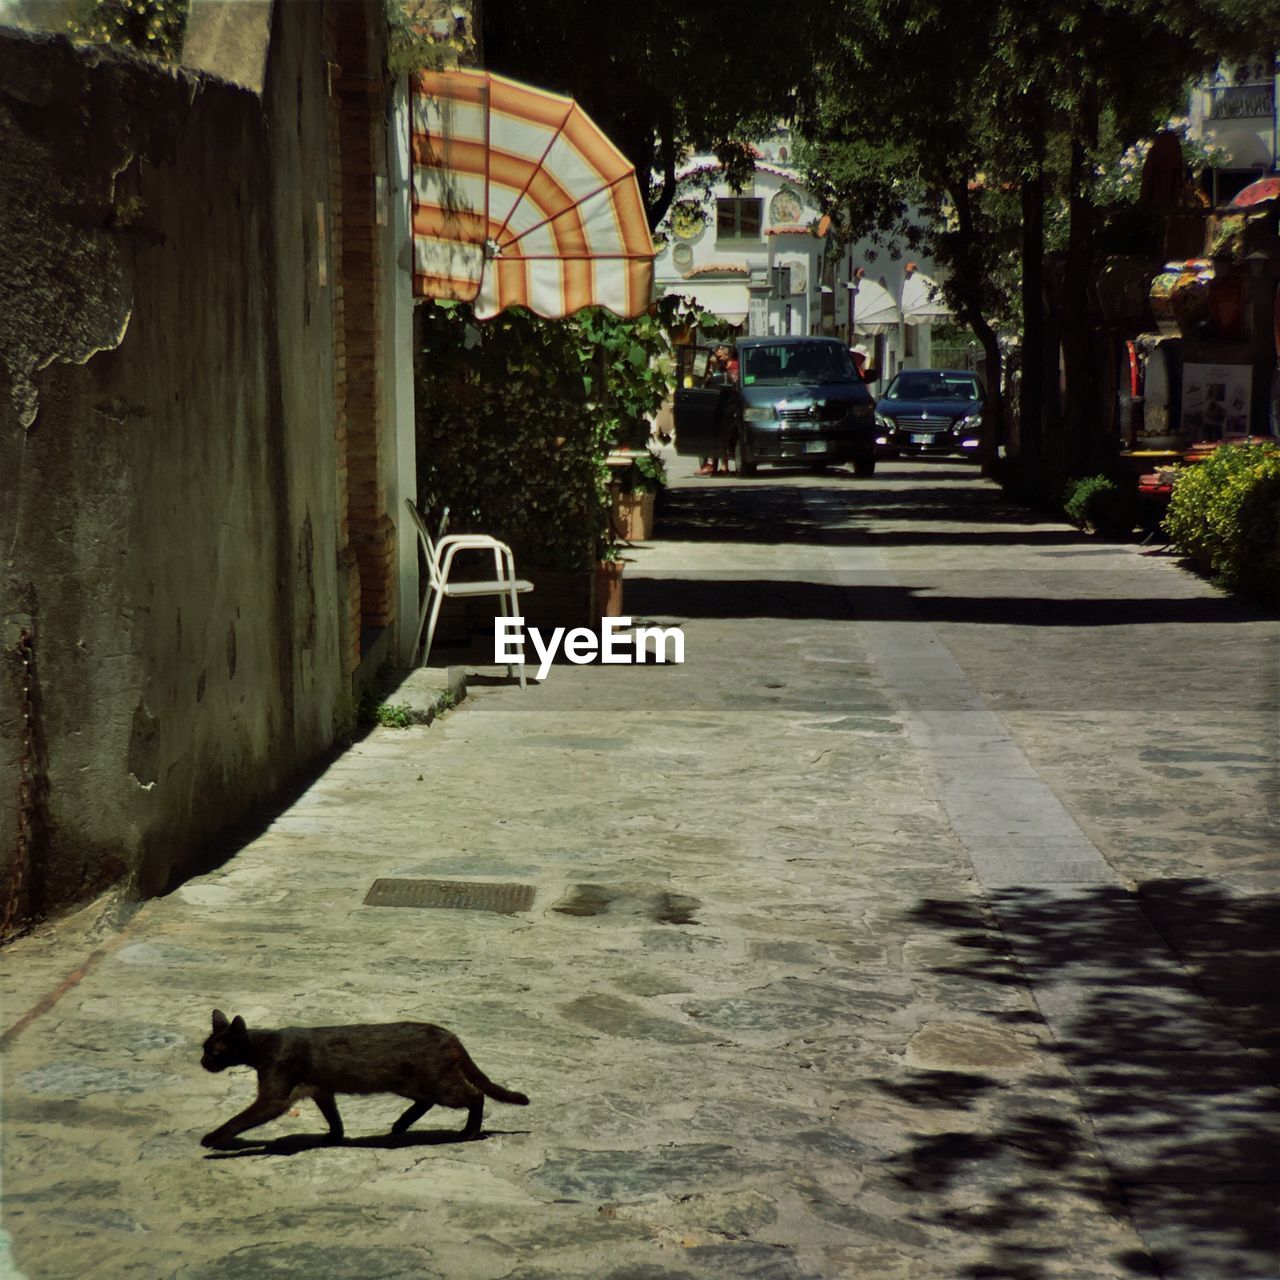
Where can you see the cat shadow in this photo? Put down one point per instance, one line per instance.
(296, 1144)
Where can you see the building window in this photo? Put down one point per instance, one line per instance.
(738, 218)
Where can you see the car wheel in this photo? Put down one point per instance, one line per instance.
(864, 464)
(745, 466)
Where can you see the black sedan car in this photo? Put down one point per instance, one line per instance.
(930, 411)
(785, 401)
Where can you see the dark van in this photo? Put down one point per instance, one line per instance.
(792, 401)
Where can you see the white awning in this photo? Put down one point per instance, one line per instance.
(728, 299)
(922, 300)
(874, 310)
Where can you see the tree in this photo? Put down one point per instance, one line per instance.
(1101, 100)
(898, 138)
(665, 78)
(1020, 98)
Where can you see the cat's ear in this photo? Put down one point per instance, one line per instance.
(219, 1020)
(237, 1025)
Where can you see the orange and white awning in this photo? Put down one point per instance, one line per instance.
(520, 200)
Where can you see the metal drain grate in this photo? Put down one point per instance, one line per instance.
(460, 895)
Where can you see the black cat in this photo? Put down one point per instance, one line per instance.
(414, 1059)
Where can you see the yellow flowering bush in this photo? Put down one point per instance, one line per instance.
(150, 26)
(1225, 514)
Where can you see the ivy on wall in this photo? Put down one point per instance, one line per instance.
(516, 416)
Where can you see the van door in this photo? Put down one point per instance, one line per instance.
(703, 407)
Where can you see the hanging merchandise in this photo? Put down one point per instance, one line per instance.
(1124, 293)
(1129, 392)
(1180, 296)
(1162, 391)
(1226, 306)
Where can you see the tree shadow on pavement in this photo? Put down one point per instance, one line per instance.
(754, 512)
(747, 596)
(1162, 1006)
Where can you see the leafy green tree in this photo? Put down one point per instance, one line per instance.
(898, 138)
(665, 78)
(956, 108)
(1112, 69)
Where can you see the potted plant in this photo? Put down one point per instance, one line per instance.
(634, 494)
(1098, 505)
(608, 583)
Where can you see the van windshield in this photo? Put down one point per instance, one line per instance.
(796, 363)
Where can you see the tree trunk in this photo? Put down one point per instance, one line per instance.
(1031, 435)
(967, 280)
(1079, 427)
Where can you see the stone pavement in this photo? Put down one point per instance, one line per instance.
(920, 925)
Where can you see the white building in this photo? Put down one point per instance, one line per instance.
(1236, 109)
(763, 261)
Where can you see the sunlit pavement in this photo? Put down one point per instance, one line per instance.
(915, 926)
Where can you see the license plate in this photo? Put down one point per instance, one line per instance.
(815, 446)
(922, 439)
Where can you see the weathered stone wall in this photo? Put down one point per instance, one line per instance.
(167, 437)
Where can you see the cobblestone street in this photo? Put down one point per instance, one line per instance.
(917, 926)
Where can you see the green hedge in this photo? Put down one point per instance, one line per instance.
(1225, 514)
(1098, 504)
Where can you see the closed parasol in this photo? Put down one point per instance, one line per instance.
(520, 200)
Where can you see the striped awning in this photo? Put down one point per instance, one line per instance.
(520, 200)
(922, 301)
(873, 308)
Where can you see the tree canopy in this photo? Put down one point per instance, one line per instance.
(665, 78)
(979, 132)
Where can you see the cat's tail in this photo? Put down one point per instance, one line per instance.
(485, 1085)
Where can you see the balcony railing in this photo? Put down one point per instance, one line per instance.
(1242, 102)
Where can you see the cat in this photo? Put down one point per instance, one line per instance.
(414, 1059)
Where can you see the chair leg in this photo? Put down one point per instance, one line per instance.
(437, 600)
(422, 624)
(515, 613)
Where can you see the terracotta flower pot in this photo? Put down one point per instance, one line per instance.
(608, 589)
(633, 516)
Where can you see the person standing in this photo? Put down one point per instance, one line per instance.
(722, 369)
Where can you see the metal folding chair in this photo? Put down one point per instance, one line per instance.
(439, 553)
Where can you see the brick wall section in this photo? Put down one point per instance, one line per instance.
(361, 142)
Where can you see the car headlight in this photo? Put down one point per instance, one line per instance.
(971, 423)
(885, 424)
(758, 413)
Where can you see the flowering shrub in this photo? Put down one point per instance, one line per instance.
(1225, 514)
(150, 26)
(1121, 181)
